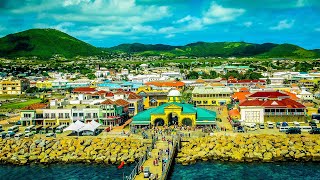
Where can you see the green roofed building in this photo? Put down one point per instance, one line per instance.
(175, 113)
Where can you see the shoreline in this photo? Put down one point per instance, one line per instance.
(251, 148)
(71, 150)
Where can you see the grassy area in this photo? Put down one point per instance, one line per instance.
(9, 96)
(19, 105)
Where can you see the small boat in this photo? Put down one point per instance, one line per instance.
(121, 165)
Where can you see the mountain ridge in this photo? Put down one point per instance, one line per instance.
(45, 43)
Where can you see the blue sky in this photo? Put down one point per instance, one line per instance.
(106, 23)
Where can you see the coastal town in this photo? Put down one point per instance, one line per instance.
(184, 111)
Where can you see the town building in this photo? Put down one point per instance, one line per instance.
(211, 96)
(271, 106)
(14, 86)
(152, 96)
(175, 112)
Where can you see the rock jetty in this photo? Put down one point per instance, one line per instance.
(71, 150)
(249, 148)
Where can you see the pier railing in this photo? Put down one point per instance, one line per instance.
(137, 167)
(167, 165)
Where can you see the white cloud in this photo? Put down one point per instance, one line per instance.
(247, 24)
(284, 24)
(218, 14)
(170, 36)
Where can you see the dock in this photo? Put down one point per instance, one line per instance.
(162, 169)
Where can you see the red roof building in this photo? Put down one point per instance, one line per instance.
(176, 84)
(84, 90)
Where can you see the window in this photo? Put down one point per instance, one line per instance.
(60, 115)
(88, 115)
(95, 115)
(104, 115)
(75, 114)
(66, 115)
(46, 115)
(81, 114)
(53, 115)
(27, 115)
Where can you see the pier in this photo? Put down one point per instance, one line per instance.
(162, 150)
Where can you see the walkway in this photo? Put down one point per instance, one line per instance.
(154, 153)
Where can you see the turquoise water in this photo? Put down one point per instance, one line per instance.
(201, 170)
(247, 171)
(62, 172)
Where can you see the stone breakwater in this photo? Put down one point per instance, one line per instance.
(249, 148)
(71, 150)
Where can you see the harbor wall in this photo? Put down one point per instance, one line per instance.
(71, 150)
(249, 148)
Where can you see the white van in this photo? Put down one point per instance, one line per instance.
(251, 126)
(305, 128)
(270, 125)
(18, 135)
(29, 135)
(283, 128)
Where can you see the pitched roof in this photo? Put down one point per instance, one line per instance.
(265, 94)
(243, 89)
(109, 94)
(292, 95)
(234, 112)
(166, 83)
(240, 95)
(122, 102)
(84, 89)
(35, 106)
(284, 103)
(134, 96)
(108, 102)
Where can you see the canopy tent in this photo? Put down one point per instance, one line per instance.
(75, 126)
(90, 126)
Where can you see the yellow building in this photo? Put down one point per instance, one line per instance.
(309, 83)
(211, 96)
(175, 113)
(44, 84)
(14, 87)
(152, 97)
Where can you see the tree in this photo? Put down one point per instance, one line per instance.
(91, 76)
(213, 74)
(286, 81)
(193, 75)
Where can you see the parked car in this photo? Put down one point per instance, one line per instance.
(296, 124)
(87, 133)
(240, 129)
(146, 172)
(10, 134)
(270, 125)
(50, 135)
(18, 135)
(3, 135)
(278, 125)
(283, 128)
(293, 130)
(312, 124)
(315, 131)
(261, 126)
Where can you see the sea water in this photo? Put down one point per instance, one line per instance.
(247, 171)
(200, 170)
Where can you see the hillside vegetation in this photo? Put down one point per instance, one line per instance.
(44, 43)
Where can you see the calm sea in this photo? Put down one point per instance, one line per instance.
(201, 170)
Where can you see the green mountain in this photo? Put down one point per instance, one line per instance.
(219, 49)
(44, 43)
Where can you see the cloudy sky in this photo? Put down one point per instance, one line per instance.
(106, 23)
